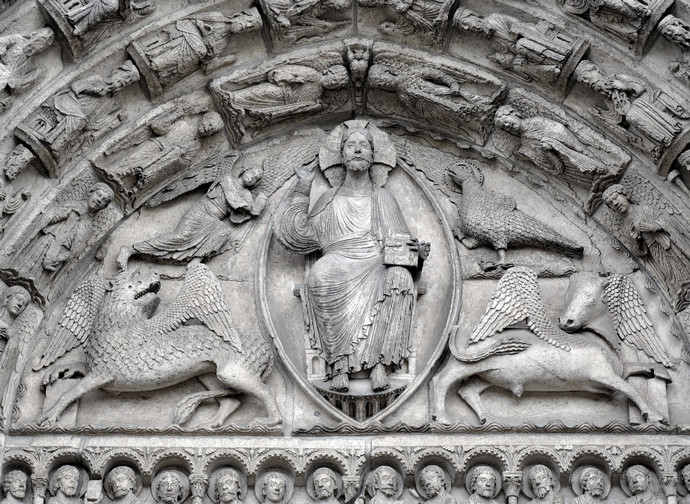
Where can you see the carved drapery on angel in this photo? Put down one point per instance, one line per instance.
(651, 226)
(19, 320)
(360, 294)
(66, 124)
(164, 147)
(128, 349)
(63, 235)
(565, 149)
(16, 73)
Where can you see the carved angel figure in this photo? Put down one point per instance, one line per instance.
(553, 147)
(19, 320)
(531, 51)
(622, 18)
(16, 73)
(15, 485)
(602, 333)
(210, 227)
(493, 219)
(63, 234)
(428, 18)
(170, 145)
(650, 227)
(635, 107)
(129, 349)
(294, 20)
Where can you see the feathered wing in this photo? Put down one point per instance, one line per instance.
(517, 298)
(16, 351)
(77, 320)
(630, 316)
(201, 298)
(278, 168)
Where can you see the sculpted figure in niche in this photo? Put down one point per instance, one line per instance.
(11, 201)
(274, 487)
(639, 485)
(591, 485)
(16, 74)
(433, 486)
(122, 485)
(526, 49)
(678, 31)
(63, 234)
(227, 486)
(384, 486)
(543, 485)
(14, 302)
(14, 487)
(295, 20)
(361, 292)
(64, 486)
(170, 487)
(484, 484)
(210, 226)
(325, 486)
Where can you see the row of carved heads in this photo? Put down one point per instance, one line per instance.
(539, 481)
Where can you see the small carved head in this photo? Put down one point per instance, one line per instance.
(325, 483)
(134, 294)
(120, 482)
(15, 483)
(468, 20)
(274, 487)
(639, 479)
(592, 481)
(99, 196)
(169, 488)
(39, 40)
(17, 160)
(65, 480)
(433, 480)
(590, 75)
(616, 198)
(508, 119)
(483, 481)
(252, 176)
(227, 488)
(15, 300)
(674, 30)
(210, 124)
(335, 77)
(541, 480)
(386, 481)
(357, 149)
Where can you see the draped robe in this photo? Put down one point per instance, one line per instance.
(360, 308)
